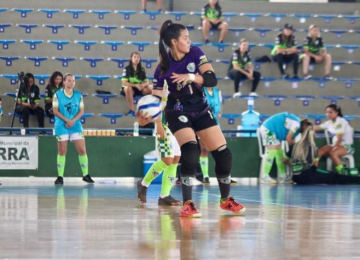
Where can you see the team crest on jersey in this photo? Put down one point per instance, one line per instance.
(191, 67)
(338, 126)
(317, 42)
(70, 107)
(32, 95)
(245, 59)
(183, 119)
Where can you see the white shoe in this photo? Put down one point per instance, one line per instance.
(253, 94)
(238, 94)
(284, 179)
(266, 179)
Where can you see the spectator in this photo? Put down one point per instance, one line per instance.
(134, 82)
(241, 68)
(28, 101)
(144, 3)
(315, 52)
(343, 141)
(286, 51)
(55, 84)
(212, 19)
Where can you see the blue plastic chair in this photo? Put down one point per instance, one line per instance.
(100, 13)
(301, 16)
(23, 12)
(278, 16)
(133, 29)
(267, 81)
(196, 13)
(111, 116)
(357, 98)
(2, 10)
(338, 33)
(304, 98)
(114, 44)
(277, 98)
(228, 16)
(262, 31)
(252, 16)
(349, 48)
(152, 15)
(37, 60)
(348, 81)
(321, 81)
(221, 46)
(42, 78)
(9, 59)
(65, 60)
(85, 116)
(141, 45)
(13, 77)
(107, 28)
(149, 62)
(333, 99)
(28, 27)
(54, 27)
(198, 44)
(6, 43)
(75, 13)
(120, 61)
(3, 26)
(98, 78)
(49, 12)
(92, 61)
(80, 28)
(105, 97)
(32, 43)
(237, 31)
(156, 28)
(225, 61)
(126, 14)
(59, 44)
(315, 117)
(86, 44)
(326, 17)
(177, 15)
(231, 118)
(351, 18)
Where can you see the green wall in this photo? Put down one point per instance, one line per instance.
(123, 157)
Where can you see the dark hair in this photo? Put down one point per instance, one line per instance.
(27, 77)
(168, 31)
(336, 109)
(139, 69)
(53, 77)
(217, 5)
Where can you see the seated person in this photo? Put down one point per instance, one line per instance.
(315, 52)
(212, 19)
(303, 157)
(134, 82)
(144, 4)
(54, 85)
(241, 68)
(286, 51)
(28, 101)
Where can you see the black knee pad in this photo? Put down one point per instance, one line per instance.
(190, 154)
(223, 161)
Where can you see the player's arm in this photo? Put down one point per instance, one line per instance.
(206, 79)
(290, 138)
(56, 109)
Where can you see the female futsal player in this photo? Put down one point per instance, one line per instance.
(186, 70)
(68, 107)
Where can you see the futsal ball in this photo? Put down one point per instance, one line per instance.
(150, 105)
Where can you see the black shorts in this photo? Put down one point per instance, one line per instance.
(312, 60)
(136, 92)
(178, 120)
(215, 26)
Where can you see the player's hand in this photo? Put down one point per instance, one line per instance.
(141, 87)
(179, 78)
(70, 123)
(249, 76)
(143, 118)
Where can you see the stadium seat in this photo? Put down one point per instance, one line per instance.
(326, 17)
(338, 33)
(351, 18)
(86, 44)
(262, 31)
(237, 31)
(333, 99)
(37, 60)
(28, 27)
(277, 98)
(267, 81)
(112, 116)
(321, 81)
(105, 97)
(120, 61)
(3, 26)
(231, 117)
(59, 44)
(126, 14)
(133, 29)
(278, 16)
(100, 13)
(348, 81)
(65, 60)
(149, 62)
(252, 16)
(228, 16)
(221, 46)
(107, 28)
(2, 10)
(80, 28)
(98, 78)
(197, 44)
(141, 45)
(42, 78)
(9, 59)
(304, 98)
(357, 98)
(92, 61)
(315, 117)
(23, 12)
(32, 43)
(13, 77)
(177, 15)
(6, 43)
(75, 13)
(49, 12)
(54, 27)
(114, 44)
(152, 15)
(85, 116)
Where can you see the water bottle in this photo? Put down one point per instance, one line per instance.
(136, 129)
(250, 119)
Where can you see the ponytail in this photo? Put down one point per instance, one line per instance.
(168, 32)
(336, 108)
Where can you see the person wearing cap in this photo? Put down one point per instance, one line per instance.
(315, 52)
(286, 51)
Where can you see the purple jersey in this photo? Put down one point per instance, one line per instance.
(190, 95)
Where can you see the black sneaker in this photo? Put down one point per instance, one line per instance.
(232, 182)
(169, 201)
(206, 181)
(141, 192)
(59, 180)
(207, 42)
(88, 179)
(284, 76)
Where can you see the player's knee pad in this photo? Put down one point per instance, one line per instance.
(223, 161)
(189, 158)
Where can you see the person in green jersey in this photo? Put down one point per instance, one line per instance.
(54, 85)
(212, 19)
